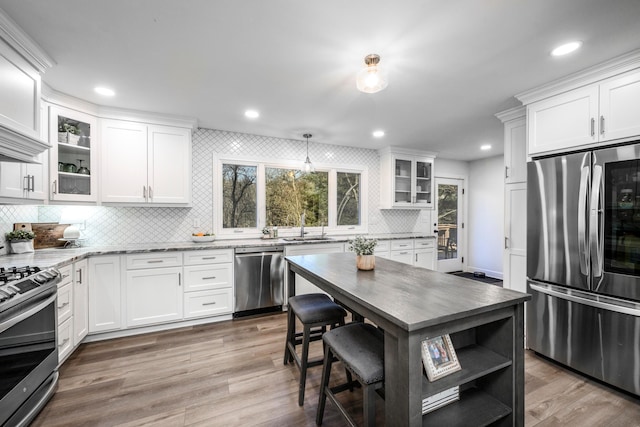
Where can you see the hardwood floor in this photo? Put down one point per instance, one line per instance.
(231, 374)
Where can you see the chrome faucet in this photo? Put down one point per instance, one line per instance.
(302, 218)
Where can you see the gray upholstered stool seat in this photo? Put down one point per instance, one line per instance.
(316, 312)
(360, 347)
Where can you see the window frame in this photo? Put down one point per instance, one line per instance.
(331, 228)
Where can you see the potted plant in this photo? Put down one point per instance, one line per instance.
(21, 241)
(363, 247)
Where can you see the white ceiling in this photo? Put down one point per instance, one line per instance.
(452, 64)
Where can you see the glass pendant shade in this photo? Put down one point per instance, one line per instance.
(307, 166)
(372, 78)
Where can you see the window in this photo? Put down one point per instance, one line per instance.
(291, 192)
(239, 196)
(348, 198)
(256, 195)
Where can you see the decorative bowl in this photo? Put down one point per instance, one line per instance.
(203, 239)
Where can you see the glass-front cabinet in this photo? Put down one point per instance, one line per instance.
(73, 156)
(406, 181)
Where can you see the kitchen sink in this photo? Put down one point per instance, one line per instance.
(307, 239)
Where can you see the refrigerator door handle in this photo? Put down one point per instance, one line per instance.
(594, 222)
(582, 221)
(602, 302)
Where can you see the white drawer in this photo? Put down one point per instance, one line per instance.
(65, 302)
(208, 303)
(65, 274)
(424, 243)
(217, 256)
(65, 341)
(402, 245)
(154, 260)
(201, 277)
(383, 246)
(405, 257)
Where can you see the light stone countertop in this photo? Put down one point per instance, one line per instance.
(58, 257)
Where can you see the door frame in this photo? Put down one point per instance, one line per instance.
(462, 218)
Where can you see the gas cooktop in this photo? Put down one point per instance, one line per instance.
(18, 284)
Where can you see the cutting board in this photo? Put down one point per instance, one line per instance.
(47, 233)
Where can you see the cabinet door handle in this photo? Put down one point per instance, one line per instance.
(79, 275)
(179, 279)
(25, 187)
(54, 187)
(33, 183)
(601, 125)
(416, 257)
(593, 126)
(506, 171)
(144, 192)
(209, 303)
(506, 243)
(150, 193)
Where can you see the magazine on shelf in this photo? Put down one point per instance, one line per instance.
(439, 357)
(441, 399)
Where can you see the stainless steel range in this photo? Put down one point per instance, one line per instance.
(28, 350)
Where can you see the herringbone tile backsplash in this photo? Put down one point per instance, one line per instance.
(120, 225)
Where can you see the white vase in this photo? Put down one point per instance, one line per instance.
(21, 246)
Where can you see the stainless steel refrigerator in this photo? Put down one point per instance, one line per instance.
(583, 262)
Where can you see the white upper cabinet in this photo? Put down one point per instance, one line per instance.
(406, 179)
(144, 163)
(515, 145)
(73, 157)
(600, 112)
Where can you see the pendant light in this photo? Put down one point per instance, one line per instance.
(372, 78)
(307, 167)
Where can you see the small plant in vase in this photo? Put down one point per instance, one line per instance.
(21, 241)
(364, 248)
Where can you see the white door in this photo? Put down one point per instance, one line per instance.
(450, 224)
(169, 165)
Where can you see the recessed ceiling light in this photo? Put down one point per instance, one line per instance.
(485, 147)
(252, 114)
(566, 48)
(378, 133)
(104, 91)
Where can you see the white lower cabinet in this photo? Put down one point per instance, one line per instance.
(80, 301)
(402, 251)
(303, 286)
(424, 254)
(208, 283)
(153, 295)
(64, 303)
(104, 293)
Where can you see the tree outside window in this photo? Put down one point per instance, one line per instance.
(239, 196)
(290, 192)
(348, 198)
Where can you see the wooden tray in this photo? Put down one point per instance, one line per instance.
(47, 233)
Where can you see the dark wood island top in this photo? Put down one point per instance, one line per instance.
(411, 304)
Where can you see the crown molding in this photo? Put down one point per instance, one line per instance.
(407, 151)
(604, 70)
(512, 114)
(15, 37)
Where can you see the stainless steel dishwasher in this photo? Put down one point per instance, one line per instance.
(259, 280)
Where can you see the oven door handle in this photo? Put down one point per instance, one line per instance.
(20, 317)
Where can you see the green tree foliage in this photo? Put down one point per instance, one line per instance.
(348, 198)
(447, 204)
(239, 196)
(291, 192)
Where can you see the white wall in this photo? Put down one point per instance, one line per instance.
(485, 228)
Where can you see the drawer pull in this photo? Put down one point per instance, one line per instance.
(154, 261)
(209, 278)
(209, 303)
(63, 305)
(209, 257)
(64, 341)
(403, 253)
(403, 246)
(64, 276)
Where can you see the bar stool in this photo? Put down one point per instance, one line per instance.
(360, 347)
(315, 312)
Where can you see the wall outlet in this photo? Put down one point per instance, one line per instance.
(196, 222)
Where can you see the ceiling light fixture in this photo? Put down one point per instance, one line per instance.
(566, 48)
(307, 167)
(372, 78)
(104, 91)
(252, 114)
(485, 147)
(378, 133)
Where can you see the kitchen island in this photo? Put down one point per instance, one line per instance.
(411, 304)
